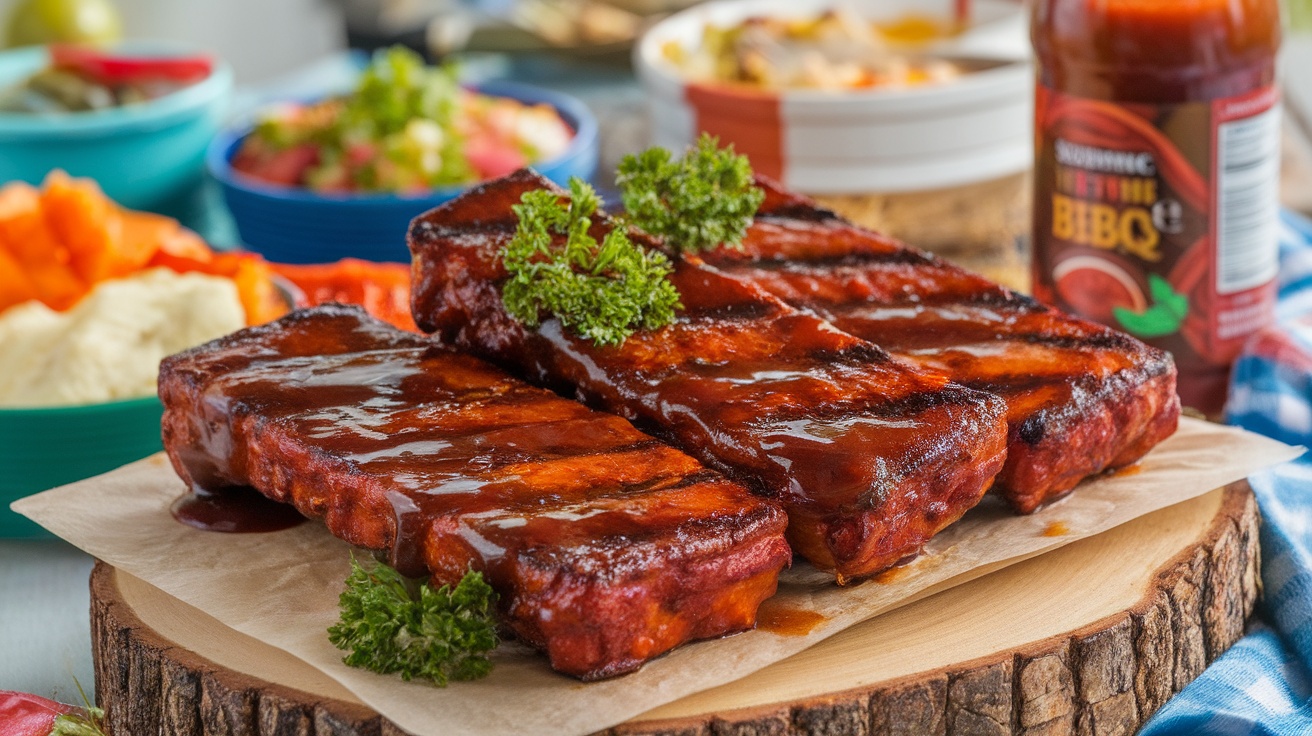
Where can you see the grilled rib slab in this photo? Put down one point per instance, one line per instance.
(605, 546)
(869, 457)
(1081, 398)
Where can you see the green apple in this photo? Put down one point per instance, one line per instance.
(48, 21)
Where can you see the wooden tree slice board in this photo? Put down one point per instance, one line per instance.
(1090, 639)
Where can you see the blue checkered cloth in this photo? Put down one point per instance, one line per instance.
(1262, 686)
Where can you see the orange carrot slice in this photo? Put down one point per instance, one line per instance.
(15, 285)
(36, 249)
(89, 224)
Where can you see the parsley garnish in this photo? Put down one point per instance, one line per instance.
(601, 292)
(609, 291)
(388, 625)
(695, 203)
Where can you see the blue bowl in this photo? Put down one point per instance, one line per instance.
(296, 225)
(142, 155)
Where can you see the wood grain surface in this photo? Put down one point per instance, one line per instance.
(1089, 639)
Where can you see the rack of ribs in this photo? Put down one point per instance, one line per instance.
(869, 457)
(1081, 398)
(605, 546)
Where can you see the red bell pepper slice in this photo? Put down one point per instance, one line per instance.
(115, 70)
(22, 714)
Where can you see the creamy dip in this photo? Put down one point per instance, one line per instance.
(110, 344)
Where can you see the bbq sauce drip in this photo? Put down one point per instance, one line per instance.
(238, 510)
(786, 620)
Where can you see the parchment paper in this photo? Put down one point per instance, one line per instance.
(282, 587)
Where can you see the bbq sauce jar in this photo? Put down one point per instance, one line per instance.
(1157, 162)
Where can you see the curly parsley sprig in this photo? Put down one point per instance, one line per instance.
(700, 201)
(603, 292)
(388, 625)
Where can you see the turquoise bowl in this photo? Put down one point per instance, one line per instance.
(142, 155)
(296, 225)
(41, 448)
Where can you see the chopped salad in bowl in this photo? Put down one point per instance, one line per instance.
(406, 128)
(341, 177)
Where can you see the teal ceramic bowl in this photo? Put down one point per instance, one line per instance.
(142, 155)
(41, 448)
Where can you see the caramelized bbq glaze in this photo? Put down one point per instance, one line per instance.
(869, 457)
(1081, 398)
(605, 546)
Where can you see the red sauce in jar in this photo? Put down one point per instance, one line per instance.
(1157, 161)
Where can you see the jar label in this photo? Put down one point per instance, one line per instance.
(1160, 220)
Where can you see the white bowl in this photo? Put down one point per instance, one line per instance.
(974, 128)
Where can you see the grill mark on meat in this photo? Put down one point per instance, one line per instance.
(859, 353)
(1096, 341)
(677, 482)
(588, 529)
(825, 263)
(959, 325)
(905, 406)
(855, 354)
(802, 212)
(857, 316)
(732, 312)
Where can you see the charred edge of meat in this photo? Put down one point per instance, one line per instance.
(1091, 392)
(1034, 428)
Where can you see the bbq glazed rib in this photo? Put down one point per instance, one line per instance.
(606, 547)
(869, 457)
(1081, 398)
